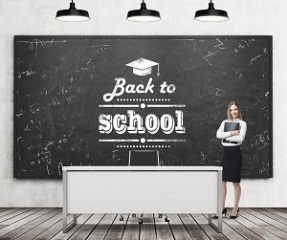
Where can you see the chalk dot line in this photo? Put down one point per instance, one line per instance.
(143, 99)
(143, 146)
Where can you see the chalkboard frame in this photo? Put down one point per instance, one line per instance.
(269, 37)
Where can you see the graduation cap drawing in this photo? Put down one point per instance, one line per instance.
(143, 67)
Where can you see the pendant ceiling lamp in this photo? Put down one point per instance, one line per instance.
(211, 14)
(143, 14)
(72, 14)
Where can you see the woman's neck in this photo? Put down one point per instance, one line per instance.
(235, 119)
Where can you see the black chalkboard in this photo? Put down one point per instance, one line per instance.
(89, 100)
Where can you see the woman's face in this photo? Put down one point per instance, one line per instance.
(234, 111)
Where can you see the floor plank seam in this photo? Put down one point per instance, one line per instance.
(260, 226)
(200, 226)
(96, 225)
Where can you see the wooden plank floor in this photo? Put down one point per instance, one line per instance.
(46, 223)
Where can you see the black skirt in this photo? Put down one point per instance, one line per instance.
(232, 163)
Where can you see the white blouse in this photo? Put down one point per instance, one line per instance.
(232, 140)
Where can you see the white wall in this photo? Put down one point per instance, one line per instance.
(34, 17)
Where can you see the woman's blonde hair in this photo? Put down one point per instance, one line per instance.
(238, 107)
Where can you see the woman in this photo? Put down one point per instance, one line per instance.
(232, 158)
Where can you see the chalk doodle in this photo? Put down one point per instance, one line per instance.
(208, 58)
(115, 157)
(262, 140)
(221, 44)
(265, 168)
(254, 59)
(44, 91)
(242, 45)
(239, 73)
(203, 157)
(54, 102)
(265, 111)
(219, 92)
(20, 113)
(44, 43)
(35, 107)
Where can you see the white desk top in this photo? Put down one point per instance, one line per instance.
(142, 168)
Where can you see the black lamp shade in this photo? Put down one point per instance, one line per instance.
(143, 15)
(211, 14)
(72, 14)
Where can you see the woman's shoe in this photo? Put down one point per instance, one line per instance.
(224, 211)
(233, 217)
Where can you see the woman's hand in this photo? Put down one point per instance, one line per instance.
(235, 133)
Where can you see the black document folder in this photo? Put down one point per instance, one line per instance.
(231, 126)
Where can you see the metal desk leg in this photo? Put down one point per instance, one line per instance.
(219, 206)
(209, 219)
(65, 201)
(66, 228)
(65, 223)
